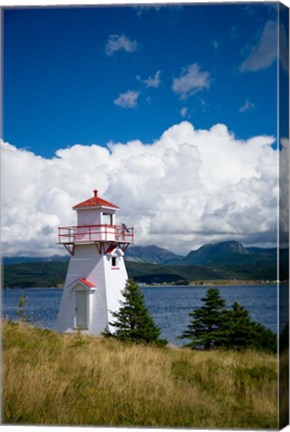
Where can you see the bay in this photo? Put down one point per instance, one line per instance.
(168, 305)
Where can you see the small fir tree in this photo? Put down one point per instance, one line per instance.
(206, 328)
(21, 308)
(133, 321)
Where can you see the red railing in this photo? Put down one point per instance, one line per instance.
(92, 233)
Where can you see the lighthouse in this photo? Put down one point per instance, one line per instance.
(96, 274)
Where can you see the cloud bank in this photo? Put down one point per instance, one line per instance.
(187, 188)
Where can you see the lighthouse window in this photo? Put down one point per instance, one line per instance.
(114, 261)
(107, 219)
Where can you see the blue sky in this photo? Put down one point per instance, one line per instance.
(100, 74)
(170, 112)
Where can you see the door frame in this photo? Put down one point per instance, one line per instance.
(80, 288)
(80, 284)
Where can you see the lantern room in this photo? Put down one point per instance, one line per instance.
(95, 211)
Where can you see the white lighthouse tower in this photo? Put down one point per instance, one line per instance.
(96, 273)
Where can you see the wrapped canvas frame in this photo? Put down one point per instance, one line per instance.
(283, 238)
(282, 219)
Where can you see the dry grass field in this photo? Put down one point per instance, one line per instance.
(54, 379)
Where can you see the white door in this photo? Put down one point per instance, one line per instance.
(82, 309)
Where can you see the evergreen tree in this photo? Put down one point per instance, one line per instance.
(262, 338)
(238, 327)
(206, 328)
(133, 321)
(213, 326)
(242, 332)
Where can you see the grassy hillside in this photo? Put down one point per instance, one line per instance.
(55, 379)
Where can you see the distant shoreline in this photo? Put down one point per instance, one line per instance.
(233, 282)
(199, 283)
(209, 283)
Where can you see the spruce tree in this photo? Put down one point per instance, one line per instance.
(206, 328)
(214, 326)
(133, 322)
(238, 328)
(243, 333)
(263, 338)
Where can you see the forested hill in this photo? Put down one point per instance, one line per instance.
(151, 264)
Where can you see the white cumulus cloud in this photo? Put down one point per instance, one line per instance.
(127, 99)
(191, 81)
(187, 188)
(117, 43)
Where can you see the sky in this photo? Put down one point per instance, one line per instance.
(169, 111)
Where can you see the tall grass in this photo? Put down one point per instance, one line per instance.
(55, 379)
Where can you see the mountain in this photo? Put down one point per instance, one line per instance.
(152, 264)
(227, 252)
(222, 253)
(146, 254)
(152, 254)
(233, 252)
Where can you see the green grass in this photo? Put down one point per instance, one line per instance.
(55, 379)
(284, 389)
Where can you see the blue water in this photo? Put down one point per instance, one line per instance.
(169, 306)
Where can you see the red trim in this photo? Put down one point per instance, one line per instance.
(96, 233)
(124, 246)
(95, 202)
(111, 248)
(87, 283)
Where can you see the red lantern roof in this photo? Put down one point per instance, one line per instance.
(95, 202)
